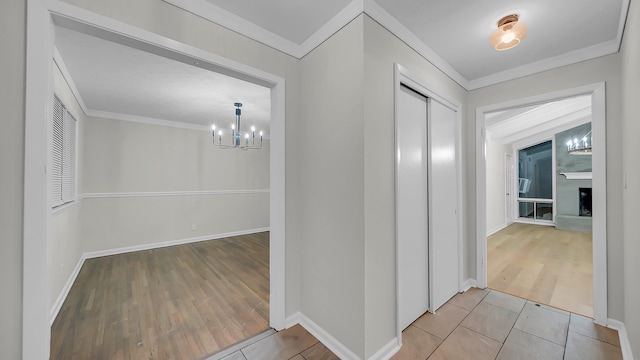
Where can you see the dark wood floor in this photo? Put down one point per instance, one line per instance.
(180, 302)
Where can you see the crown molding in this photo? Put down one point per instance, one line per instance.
(569, 58)
(242, 26)
(377, 13)
(235, 23)
(345, 16)
(145, 120)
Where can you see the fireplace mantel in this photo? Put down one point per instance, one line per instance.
(578, 175)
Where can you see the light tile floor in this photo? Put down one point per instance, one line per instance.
(478, 324)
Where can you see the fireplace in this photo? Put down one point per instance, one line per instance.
(584, 198)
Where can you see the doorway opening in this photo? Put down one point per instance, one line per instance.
(42, 19)
(543, 219)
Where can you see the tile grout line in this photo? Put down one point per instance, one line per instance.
(459, 324)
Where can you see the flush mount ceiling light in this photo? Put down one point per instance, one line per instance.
(509, 33)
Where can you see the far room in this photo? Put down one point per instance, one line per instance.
(539, 203)
(160, 194)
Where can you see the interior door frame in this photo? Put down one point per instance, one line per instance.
(599, 163)
(402, 76)
(41, 15)
(509, 182)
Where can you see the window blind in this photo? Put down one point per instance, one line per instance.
(63, 155)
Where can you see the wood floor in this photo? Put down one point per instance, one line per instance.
(180, 302)
(543, 264)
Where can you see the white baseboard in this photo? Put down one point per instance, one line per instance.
(128, 249)
(322, 335)
(500, 227)
(55, 309)
(387, 351)
(57, 305)
(625, 345)
(468, 284)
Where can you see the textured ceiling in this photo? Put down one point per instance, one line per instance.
(118, 79)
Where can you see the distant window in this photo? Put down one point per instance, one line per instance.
(63, 155)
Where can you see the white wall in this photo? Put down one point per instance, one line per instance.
(64, 247)
(496, 214)
(331, 178)
(164, 19)
(124, 158)
(607, 69)
(631, 172)
(12, 72)
(382, 49)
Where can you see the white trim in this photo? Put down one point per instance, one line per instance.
(110, 115)
(173, 193)
(156, 194)
(57, 58)
(427, 89)
(598, 124)
(585, 175)
(387, 351)
(625, 345)
(57, 305)
(377, 13)
(231, 21)
(128, 249)
(41, 15)
(339, 349)
(573, 57)
(341, 19)
(242, 26)
(95, 254)
(36, 332)
(495, 230)
(145, 120)
(468, 284)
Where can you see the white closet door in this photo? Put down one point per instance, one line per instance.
(443, 194)
(412, 206)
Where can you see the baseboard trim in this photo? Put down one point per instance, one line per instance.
(497, 229)
(387, 351)
(625, 345)
(57, 305)
(55, 309)
(322, 335)
(128, 249)
(468, 284)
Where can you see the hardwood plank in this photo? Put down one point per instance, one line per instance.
(180, 302)
(543, 264)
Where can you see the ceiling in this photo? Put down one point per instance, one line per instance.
(513, 125)
(117, 81)
(453, 35)
(121, 82)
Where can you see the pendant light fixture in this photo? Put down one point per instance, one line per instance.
(509, 33)
(243, 140)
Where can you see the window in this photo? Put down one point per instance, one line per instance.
(63, 155)
(535, 180)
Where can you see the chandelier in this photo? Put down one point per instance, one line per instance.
(243, 140)
(580, 147)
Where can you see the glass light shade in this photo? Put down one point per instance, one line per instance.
(508, 35)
